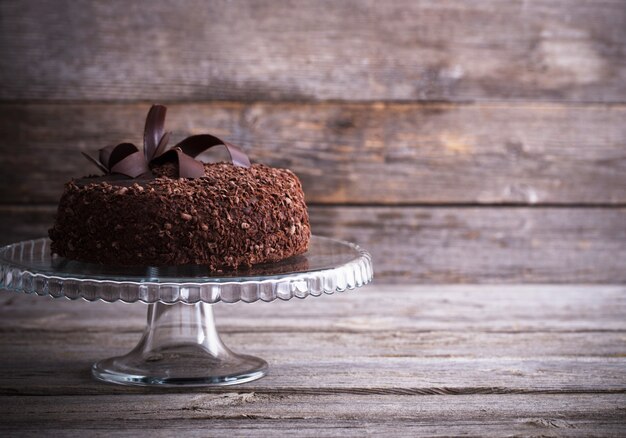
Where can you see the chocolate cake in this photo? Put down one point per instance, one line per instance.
(163, 207)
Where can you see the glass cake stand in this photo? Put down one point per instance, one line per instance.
(180, 345)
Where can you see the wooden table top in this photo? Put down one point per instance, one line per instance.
(396, 360)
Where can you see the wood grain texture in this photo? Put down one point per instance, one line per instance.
(249, 414)
(466, 245)
(459, 309)
(297, 50)
(402, 360)
(449, 244)
(350, 153)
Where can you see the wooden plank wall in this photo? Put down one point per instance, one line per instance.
(480, 141)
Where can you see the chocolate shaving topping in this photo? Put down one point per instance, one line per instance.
(262, 218)
(126, 159)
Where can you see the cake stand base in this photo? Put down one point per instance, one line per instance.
(180, 347)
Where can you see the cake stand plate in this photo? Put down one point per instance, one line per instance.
(180, 345)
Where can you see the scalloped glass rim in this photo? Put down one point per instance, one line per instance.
(329, 266)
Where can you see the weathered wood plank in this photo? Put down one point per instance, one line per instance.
(250, 414)
(67, 372)
(347, 153)
(410, 310)
(354, 50)
(450, 244)
(518, 362)
(471, 244)
(353, 428)
(333, 343)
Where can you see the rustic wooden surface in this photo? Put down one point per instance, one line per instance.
(399, 360)
(565, 50)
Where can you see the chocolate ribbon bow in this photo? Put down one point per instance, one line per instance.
(126, 159)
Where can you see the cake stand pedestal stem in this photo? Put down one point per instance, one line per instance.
(180, 347)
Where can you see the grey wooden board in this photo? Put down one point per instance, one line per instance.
(489, 309)
(349, 50)
(472, 360)
(350, 153)
(449, 244)
(251, 414)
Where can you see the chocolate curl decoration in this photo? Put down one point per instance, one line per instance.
(184, 154)
(154, 132)
(95, 162)
(126, 159)
(196, 144)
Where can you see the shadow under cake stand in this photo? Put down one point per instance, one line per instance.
(180, 345)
